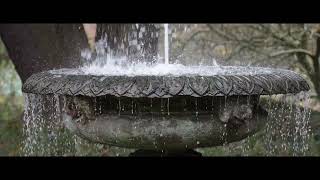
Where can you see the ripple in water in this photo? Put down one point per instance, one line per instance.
(145, 69)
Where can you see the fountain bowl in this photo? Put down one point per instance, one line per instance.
(168, 112)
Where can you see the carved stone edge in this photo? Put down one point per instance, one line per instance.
(278, 82)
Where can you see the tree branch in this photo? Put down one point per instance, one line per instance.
(317, 35)
(192, 37)
(292, 51)
(282, 40)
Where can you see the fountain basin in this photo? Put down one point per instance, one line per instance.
(166, 112)
(189, 123)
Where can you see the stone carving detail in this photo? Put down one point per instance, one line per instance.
(274, 82)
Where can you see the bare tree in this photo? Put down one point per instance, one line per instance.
(295, 46)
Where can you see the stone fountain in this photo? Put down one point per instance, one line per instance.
(167, 114)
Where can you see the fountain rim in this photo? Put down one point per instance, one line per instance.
(278, 81)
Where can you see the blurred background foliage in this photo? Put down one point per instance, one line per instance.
(290, 46)
(11, 106)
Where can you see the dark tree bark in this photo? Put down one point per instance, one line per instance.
(315, 61)
(39, 47)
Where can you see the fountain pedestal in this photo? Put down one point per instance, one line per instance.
(152, 153)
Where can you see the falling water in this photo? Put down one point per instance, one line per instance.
(166, 43)
(45, 134)
(289, 125)
(42, 127)
(287, 132)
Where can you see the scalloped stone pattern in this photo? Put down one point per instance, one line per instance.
(251, 81)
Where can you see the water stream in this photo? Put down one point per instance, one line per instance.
(166, 43)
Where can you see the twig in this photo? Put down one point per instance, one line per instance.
(293, 51)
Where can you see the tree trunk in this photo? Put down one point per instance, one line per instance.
(39, 47)
(316, 78)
